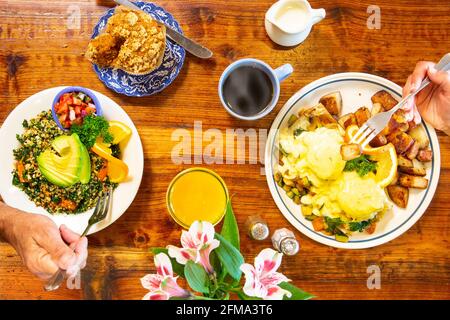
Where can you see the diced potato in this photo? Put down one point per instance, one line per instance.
(318, 116)
(362, 115)
(306, 210)
(347, 120)
(425, 155)
(332, 102)
(418, 133)
(399, 195)
(376, 108)
(378, 141)
(350, 151)
(404, 162)
(413, 151)
(401, 141)
(371, 228)
(385, 99)
(410, 181)
(413, 171)
(318, 224)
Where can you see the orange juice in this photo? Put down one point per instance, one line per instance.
(197, 194)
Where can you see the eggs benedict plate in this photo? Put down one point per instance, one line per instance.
(331, 190)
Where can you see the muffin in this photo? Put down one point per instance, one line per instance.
(131, 41)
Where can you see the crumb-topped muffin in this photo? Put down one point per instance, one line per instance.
(132, 41)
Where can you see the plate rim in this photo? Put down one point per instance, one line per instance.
(363, 244)
(38, 95)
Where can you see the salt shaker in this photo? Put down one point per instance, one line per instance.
(284, 241)
(257, 228)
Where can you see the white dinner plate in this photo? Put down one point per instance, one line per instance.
(356, 90)
(123, 196)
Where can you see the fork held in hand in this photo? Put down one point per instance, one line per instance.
(378, 122)
(100, 212)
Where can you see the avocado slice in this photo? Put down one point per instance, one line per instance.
(62, 168)
(85, 169)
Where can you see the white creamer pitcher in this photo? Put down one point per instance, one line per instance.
(289, 22)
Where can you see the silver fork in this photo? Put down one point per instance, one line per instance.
(378, 122)
(100, 212)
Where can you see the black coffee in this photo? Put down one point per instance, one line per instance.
(247, 90)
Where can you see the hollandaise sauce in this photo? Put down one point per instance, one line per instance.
(197, 194)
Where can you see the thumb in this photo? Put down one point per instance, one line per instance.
(59, 251)
(438, 77)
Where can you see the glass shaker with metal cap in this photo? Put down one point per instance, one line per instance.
(257, 228)
(285, 242)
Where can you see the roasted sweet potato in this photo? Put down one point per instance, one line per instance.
(376, 108)
(385, 99)
(371, 228)
(332, 102)
(401, 141)
(362, 115)
(350, 151)
(425, 155)
(404, 162)
(318, 224)
(410, 181)
(347, 120)
(378, 141)
(399, 195)
(412, 152)
(418, 133)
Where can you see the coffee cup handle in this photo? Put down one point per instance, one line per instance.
(283, 72)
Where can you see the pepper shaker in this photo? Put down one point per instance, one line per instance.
(285, 242)
(257, 228)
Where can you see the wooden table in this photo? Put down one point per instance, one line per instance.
(37, 52)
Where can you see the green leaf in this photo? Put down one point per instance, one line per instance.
(197, 277)
(243, 296)
(230, 257)
(230, 230)
(177, 267)
(297, 294)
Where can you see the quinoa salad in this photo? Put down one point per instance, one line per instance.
(38, 135)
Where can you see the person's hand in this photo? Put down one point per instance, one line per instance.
(42, 246)
(433, 102)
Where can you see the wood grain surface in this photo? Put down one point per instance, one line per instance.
(38, 51)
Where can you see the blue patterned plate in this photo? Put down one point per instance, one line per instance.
(157, 80)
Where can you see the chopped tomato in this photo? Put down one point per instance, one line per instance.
(73, 107)
(318, 224)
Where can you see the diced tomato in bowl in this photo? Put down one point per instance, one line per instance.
(72, 105)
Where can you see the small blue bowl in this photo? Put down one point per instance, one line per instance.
(87, 92)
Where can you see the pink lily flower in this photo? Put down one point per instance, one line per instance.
(197, 244)
(262, 280)
(162, 285)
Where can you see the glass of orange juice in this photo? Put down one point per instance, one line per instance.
(197, 194)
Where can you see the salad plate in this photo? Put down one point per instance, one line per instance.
(356, 90)
(13, 127)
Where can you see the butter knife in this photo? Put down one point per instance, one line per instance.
(190, 45)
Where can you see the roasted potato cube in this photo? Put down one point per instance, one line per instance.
(410, 181)
(347, 120)
(418, 133)
(332, 102)
(378, 141)
(413, 151)
(318, 224)
(401, 141)
(376, 108)
(371, 228)
(425, 155)
(404, 162)
(385, 99)
(362, 115)
(350, 151)
(415, 171)
(411, 124)
(399, 195)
